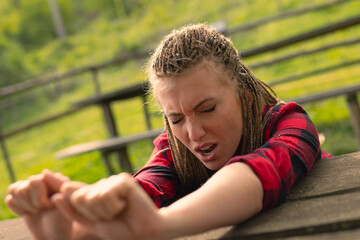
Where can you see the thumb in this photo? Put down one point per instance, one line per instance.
(69, 212)
(68, 188)
(54, 180)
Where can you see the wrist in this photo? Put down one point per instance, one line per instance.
(168, 227)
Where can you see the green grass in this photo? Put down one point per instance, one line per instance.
(34, 149)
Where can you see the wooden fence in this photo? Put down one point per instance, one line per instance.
(96, 68)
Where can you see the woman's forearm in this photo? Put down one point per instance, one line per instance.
(232, 195)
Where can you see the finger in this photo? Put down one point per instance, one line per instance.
(11, 203)
(93, 204)
(98, 201)
(104, 206)
(20, 191)
(109, 204)
(30, 195)
(84, 203)
(38, 193)
(113, 207)
(96, 198)
(54, 181)
(137, 200)
(11, 188)
(69, 212)
(75, 193)
(68, 188)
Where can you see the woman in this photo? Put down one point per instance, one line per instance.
(231, 149)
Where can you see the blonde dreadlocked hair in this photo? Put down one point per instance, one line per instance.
(179, 52)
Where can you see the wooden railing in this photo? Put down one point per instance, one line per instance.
(96, 68)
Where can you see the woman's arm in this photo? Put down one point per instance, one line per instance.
(290, 149)
(231, 196)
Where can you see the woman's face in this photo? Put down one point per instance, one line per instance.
(204, 113)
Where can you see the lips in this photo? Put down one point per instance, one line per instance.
(206, 152)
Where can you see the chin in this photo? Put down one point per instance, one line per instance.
(213, 166)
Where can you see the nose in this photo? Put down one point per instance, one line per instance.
(195, 130)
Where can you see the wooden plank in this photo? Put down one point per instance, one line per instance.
(220, 232)
(330, 176)
(294, 77)
(120, 94)
(107, 145)
(302, 37)
(319, 215)
(14, 229)
(304, 53)
(40, 122)
(282, 15)
(35, 82)
(340, 235)
(328, 94)
(212, 234)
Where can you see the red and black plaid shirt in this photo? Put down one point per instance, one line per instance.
(291, 146)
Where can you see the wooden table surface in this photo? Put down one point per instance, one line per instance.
(325, 205)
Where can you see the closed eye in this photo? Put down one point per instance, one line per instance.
(210, 109)
(175, 122)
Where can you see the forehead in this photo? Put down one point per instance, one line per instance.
(191, 88)
(215, 73)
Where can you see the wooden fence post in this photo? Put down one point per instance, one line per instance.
(122, 153)
(146, 112)
(94, 73)
(7, 159)
(354, 115)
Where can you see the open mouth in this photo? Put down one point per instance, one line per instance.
(207, 151)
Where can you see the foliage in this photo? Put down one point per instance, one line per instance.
(99, 30)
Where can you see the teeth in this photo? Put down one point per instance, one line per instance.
(206, 148)
(207, 151)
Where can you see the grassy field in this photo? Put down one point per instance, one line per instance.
(33, 150)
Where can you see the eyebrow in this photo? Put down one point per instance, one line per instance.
(174, 114)
(201, 102)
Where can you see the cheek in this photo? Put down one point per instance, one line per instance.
(234, 124)
(178, 133)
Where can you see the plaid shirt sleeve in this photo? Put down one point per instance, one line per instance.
(291, 146)
(158, 177)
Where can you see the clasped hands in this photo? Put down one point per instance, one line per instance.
(54, 207)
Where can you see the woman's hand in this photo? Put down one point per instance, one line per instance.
(99, 201)
(31, 200)
(116, 207)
